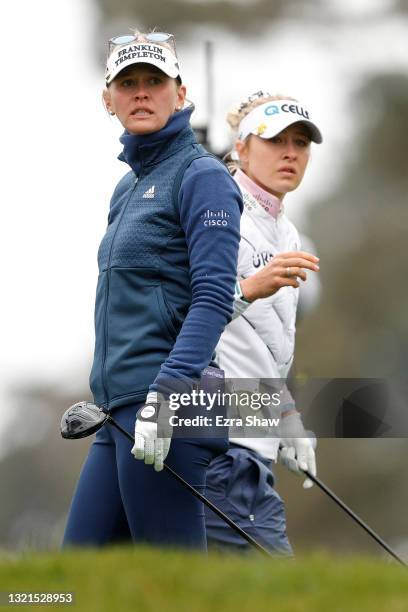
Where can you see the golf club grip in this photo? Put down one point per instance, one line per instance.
(201, 497)
(353, 515)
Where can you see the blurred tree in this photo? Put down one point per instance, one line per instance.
(361, 325)
(179, 15)
(38, 474)
(402, 6)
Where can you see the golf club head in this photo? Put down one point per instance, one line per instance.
(82, 420)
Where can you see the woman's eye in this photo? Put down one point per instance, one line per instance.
(302, 142)
(155, 81)
(127, 83)
(276, 139)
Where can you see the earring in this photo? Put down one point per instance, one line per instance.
(178, 108)
(111, 113)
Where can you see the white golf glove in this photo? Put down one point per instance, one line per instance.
(298, 447)
(148, 446)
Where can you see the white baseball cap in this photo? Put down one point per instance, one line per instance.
(269, 119)
(141, 52)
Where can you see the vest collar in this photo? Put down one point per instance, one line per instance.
(140, 150)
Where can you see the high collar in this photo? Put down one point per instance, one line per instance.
(270, 203)
(140, 150)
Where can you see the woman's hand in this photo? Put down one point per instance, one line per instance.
(148, 447)
(283, 270)
(297, 447)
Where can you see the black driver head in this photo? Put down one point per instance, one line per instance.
(82, 420)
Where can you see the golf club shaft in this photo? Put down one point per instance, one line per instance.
(353, 515)
(201, 497)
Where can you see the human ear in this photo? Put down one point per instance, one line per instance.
(107, 101)
(181, 96)
(242, 149)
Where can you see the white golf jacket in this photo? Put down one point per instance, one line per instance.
(260, 340)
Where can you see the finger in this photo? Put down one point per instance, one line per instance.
(158, 454)
(149, 452)
(312, 439)
(291, 462)
(166, 447)
(287, 458)
(308, 484)
(293, 272)
(291, 282)
(138, 450)
(296, 262)
(283, 456)
(302, 455)
(311, 462)
(302, 254)
(283, 452)
(283, 280)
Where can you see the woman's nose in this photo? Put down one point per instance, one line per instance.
(140, 91)
(290, 150)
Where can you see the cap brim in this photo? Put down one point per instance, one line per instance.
(172, 73)
(272, 117)
(275, 129)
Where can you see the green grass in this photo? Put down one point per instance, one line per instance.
(144, 579)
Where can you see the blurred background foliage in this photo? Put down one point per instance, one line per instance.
(359, 328)
(180, 16)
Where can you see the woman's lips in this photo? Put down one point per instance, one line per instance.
(287, 170)
(141, 112)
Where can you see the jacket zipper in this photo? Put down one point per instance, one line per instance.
(105, 318)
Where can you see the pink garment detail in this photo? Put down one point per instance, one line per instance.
(270, 203)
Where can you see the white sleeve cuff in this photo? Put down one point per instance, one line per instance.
(240, 303)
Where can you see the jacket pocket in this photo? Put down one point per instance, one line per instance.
(167, 314)
(140, 334)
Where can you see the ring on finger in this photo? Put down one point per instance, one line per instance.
(289, 272)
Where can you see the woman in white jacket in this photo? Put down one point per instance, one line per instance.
(269, 160)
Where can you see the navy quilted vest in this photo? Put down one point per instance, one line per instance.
(143, 291)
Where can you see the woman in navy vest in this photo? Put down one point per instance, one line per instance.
(167, 266)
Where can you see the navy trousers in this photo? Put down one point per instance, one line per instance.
(120, 499)
(241, 483)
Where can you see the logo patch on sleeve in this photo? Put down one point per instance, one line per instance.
(215, 218)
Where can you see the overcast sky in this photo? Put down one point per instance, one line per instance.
(59, 152)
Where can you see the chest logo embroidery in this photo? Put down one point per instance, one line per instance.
(149, 193)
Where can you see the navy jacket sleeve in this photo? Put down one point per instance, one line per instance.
(210, 209)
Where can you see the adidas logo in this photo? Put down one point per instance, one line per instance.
(149, 193)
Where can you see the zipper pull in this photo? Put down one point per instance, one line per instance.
(137, 178)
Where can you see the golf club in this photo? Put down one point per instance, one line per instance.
(354, 516)
(83, 419)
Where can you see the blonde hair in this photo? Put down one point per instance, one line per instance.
(237, 114)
